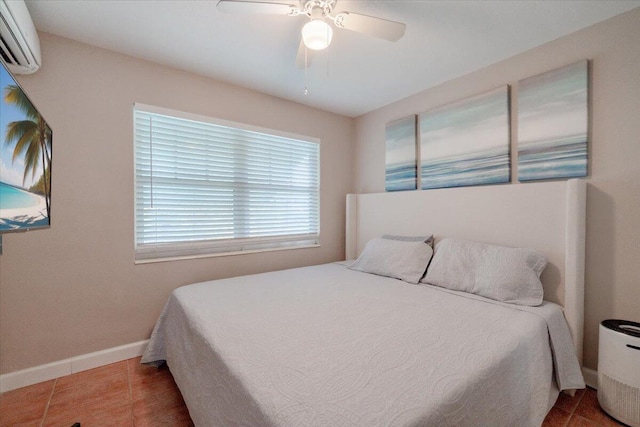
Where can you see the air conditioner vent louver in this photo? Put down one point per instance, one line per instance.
(19, 43)
(7, 57)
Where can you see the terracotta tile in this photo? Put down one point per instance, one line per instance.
(127, 392)
(569, 403)
(156, 397)
(104, 374)
(145, 373)
(25, 406)
(578, 421)
(91, 415)
(99, 396)
(177, 416)
(589, 408)
(556, 418)
(151, 380)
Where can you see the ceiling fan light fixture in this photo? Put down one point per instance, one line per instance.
(316, 34)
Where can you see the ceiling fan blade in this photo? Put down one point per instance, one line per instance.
(300, 60)
(372, 26)
(269, 8)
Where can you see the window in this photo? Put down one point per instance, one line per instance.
(205, 186)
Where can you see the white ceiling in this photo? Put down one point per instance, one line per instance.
(356, 74)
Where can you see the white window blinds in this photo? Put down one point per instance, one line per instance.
(205, 186)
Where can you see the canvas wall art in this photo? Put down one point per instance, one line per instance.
(553, 124)
(467, 142)
(400, 160)
(25, 160)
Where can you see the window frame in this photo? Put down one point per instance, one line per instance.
(207, 248)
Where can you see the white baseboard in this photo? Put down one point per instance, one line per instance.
(69, 366)
(590, 377)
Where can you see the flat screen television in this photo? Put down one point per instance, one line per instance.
(25, 160)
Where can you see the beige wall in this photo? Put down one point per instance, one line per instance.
(613, 211)
(74, 288)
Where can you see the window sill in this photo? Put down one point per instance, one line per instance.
(222, 254)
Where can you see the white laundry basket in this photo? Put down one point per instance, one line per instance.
(619, 370)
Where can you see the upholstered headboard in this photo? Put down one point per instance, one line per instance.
(546, 216)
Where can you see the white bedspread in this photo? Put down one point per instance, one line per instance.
(325, 345)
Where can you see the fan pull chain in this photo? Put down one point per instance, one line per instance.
(306, 65)
(327, 70)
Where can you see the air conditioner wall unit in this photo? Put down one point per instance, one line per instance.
(19, 43)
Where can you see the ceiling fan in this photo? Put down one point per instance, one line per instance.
(317, 33)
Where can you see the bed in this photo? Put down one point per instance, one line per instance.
(327, 345)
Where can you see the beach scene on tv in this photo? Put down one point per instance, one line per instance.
(25, 160)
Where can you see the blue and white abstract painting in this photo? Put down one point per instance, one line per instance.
(467, 142)
(553, 124)
(400, 159)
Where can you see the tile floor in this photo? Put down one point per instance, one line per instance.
(581, 410)
(129, 394)
(121, 394)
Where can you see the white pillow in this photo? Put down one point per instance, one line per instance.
(505, 274)
(394, 258)
(427, 239)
